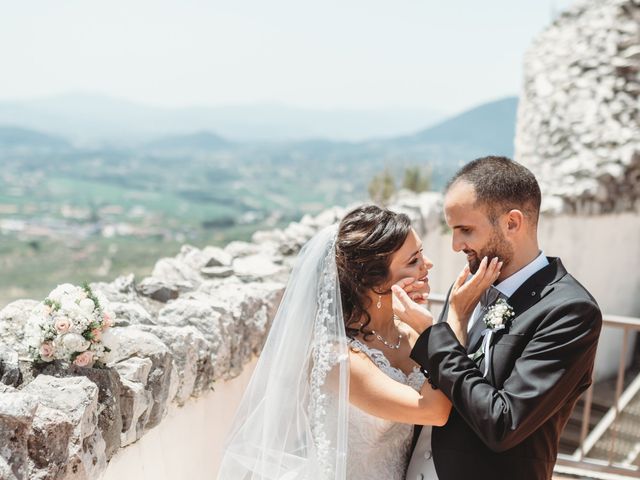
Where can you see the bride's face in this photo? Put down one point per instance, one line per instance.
(410, 261)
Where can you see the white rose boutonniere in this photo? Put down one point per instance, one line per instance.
(499, 316)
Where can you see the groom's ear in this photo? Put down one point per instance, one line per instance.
(515, 221)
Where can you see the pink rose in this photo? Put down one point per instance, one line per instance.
(84, 359)
(107, 321)
(62, 325)
(96, 335)
(46, 351)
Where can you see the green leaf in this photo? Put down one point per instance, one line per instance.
(92, 296)
(476, 356)
(55, 305)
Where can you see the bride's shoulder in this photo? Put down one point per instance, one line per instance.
(361, 353)
(357, 347)
(359, 359)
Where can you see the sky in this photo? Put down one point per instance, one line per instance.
(326, 54)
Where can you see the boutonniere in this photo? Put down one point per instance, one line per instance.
(499, 315)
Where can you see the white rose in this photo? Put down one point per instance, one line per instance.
(79, 317)
(33, 331)
(41, 310)
(498, 321)
(60, 291)
(74, 342)
(58, 343)
(66, 299)
(87, 305)
(70, 302)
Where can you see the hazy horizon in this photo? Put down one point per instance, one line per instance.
(96, 118)
(329, 55)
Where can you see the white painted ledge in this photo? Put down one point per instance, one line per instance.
(187, 444)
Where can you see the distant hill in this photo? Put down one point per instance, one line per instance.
(483, 130)
(200, 141)
(98, 119)
(15, 137)
(488, 129)
(490, 126)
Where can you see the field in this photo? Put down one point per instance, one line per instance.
(72, 215)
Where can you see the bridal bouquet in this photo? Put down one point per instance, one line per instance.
(68, 326)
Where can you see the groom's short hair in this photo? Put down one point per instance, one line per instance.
(501, 185)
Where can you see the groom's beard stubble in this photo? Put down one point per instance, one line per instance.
(497, 246)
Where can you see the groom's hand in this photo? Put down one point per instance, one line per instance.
(466, 292)
(407, 309)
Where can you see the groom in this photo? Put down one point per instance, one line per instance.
(508, 411)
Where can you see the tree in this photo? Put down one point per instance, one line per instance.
(382, 187)
(415, 180)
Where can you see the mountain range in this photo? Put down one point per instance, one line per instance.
(488, 128)
(91, 119)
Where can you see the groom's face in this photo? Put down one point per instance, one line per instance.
(473, 232)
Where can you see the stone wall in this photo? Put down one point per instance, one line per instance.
(200, 318)
(579, 112)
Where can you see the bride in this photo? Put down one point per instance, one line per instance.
(334, 394)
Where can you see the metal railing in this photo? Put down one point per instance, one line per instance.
(579, 463)
(606, 468)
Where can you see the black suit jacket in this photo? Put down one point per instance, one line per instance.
(507, 426)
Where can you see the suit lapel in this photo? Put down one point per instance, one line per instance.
(537, 286)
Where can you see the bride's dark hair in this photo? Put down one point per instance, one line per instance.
(367, 237)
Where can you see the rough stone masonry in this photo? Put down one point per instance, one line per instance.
(579, 113)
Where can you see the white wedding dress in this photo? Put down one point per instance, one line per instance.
(295, 421)
(378, 448)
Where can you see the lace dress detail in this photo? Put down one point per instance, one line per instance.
(378, 448)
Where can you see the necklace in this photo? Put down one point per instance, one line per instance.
(394, 347)
(384, 342)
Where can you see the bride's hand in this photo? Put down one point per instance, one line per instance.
(408, 309)
(465, 295)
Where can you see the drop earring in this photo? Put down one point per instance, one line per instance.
(379, 304)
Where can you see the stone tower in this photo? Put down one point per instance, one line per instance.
(578, 124)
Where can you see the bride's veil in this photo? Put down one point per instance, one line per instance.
(292, 421)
